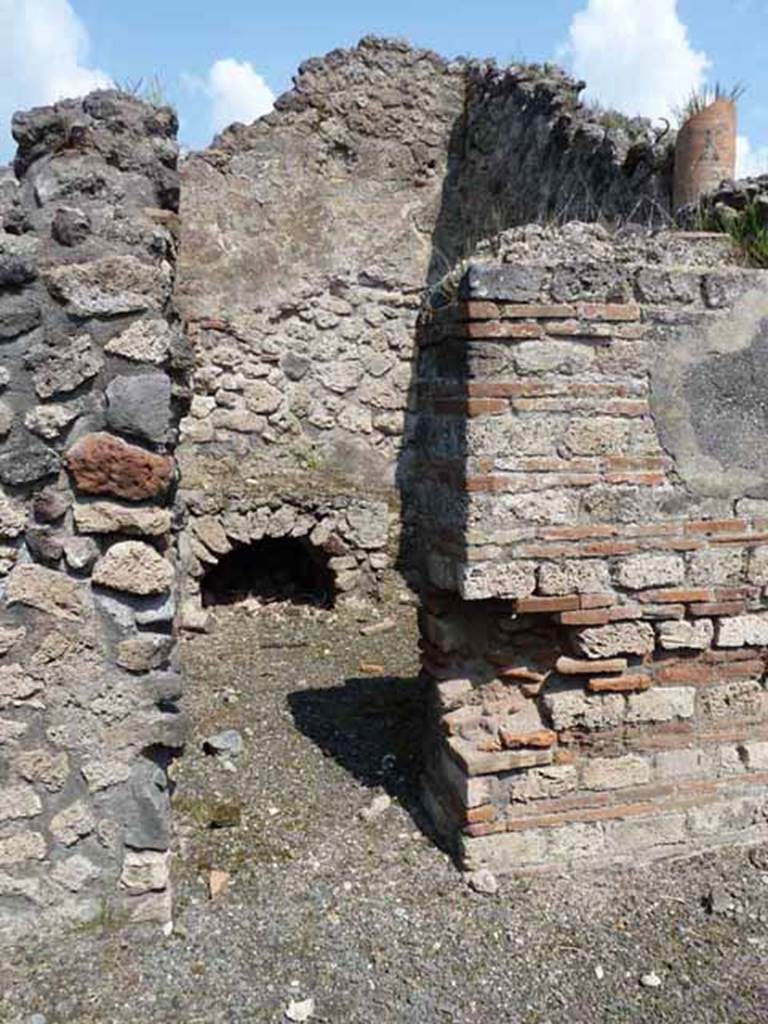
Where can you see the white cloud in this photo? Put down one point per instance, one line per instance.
(635, 56)
(43, 56)
(235, 90)
(750, 160)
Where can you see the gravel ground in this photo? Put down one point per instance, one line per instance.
(369, 918)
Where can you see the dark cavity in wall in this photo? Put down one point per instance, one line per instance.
(272, 569)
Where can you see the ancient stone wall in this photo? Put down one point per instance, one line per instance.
(308, 241)
(593, 501)
(92, 380)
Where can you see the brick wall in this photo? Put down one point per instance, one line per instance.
(598, 540)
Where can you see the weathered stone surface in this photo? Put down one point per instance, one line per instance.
(102, 464)
(13, 517)
(17, 688)
(368, 526)
(617, 638)
(210, 531)
(573, 708)
(134, 567)
(510, 579)
(146, 810)
(19, 314)
(19, 802)
(6, 418)
(44, 766)
(75, 873)
(758, 565)
(45, 544)
(80, 553)
(10, 636)
(50, 420)
(111, 285)
(616, 772)
(50, 505)
(140, 405)
(22, 846)
(742, 699)
(105, 773)
(145, 341)
(712, 567)
(661, 704)
(573, 577)
(145, 870)
(640, 571)
(741, 630)
(109, 517)
(262, 398)
(47, 590)
(144, 652)
(25, 459)
(683, 634)
(62, 367)
(73, 823)
(70, 226)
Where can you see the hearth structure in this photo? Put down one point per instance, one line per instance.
(594, 508)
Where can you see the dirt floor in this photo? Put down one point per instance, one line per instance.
(369, 918)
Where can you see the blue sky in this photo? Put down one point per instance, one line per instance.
(225, 60)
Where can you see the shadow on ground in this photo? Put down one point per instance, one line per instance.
(374, 728)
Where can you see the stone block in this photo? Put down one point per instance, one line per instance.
(639, 572)
(145, 809)
(716, 566)
(145, 341)
(47, 590)
(110, 286)
(17, 688)
(682, 634)
(743, 630)
(735, 700)
(134, 567)
(21, 846)
(13, 517)
(617, 638)
(506, 282)
(104, 773)
(545, 783)
(10, 636)
(615, 772)
(663, 831)
(661, 704)
(80, 553)
(575, 709)
(505, 852)
(73, 823)
(111, 517)
(24, 459)
(49, 421)
(210, 531)
(47, 767)
(60, 368)
(671, 765)
(757, 571)
(19, 802)
(75, 873)
(493, 579)
(368, 526)
(754, 753)
(140, 405)
(102, 464)
(144, 652)
(574, 576)
(145, 870)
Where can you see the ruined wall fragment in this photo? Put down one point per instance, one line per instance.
(88, 418)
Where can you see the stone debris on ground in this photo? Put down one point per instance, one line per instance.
(228, 743)
(377, 807)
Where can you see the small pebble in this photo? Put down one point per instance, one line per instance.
(378, 806)
(229, 742)
(300, 1010)
(650, 980)
(483, 881)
